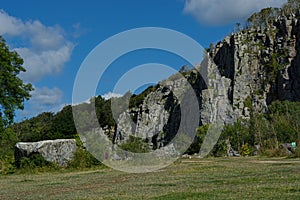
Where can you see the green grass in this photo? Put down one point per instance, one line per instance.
(213, 178)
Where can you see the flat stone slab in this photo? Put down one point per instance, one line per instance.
(58, 151)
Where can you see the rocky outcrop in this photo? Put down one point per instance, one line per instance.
(251, 68)
(158, 118)
(151, 120)
(57, 151)
(146, 121)
(216, 99)
(244, 73)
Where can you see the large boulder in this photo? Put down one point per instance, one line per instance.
(58, 151)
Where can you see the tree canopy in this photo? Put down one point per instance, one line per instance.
(13, 91)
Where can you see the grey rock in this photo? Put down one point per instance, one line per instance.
(236, 69)
(153, 115)
(230, 151)
(58, 151)
(288, 148)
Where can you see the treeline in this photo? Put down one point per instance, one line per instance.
(60, 125)
(267, 16)
(262, 134)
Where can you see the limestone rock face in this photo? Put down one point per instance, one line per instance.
(150, 120)
(58, 151)
(244, 73)
(216, 104)
(250, 69)
(157, 119)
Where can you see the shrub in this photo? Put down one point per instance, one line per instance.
(198, 140)
(8, 139)
(83, 159)
(276, 152)
(238, 134)
(297, 153)
(245, 150)
(137, 100)
(220, 149)
(36, 163)
(7, 165)
(248, 102)
(34, 160)
(135, 145)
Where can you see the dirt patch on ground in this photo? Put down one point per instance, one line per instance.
(277, 161)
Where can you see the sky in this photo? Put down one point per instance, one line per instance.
(55, 37)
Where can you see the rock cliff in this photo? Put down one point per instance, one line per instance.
(252, 68)
(245, 72)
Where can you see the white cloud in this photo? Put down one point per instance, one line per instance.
(88, 101)
(44, 63)
(46, 97)
(10, 25)
(78, 30)
(42, 100)
(110, 95)
(218, 12)
(48, 50)
(32, 111)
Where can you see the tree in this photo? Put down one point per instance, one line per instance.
(292, 6)
(13, 91)
(63, 122)
(198, 140)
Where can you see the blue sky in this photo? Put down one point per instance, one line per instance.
(54, 37)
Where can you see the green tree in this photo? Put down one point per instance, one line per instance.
(198, 140)
(13, 91)
(238, 134)
(63, 122)
(36, 129)
(290, 7)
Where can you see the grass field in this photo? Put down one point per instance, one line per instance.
(214, 178)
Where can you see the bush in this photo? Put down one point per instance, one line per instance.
(135, 145)
(36, 163)
(238, 134)
(220, 149)
(136, 100)
(34, 160)
(7, 165)
(198, 140)
(297, 153)
(83, 159)
(245, 150)
(8, 139)
(279, 125)
(276, 152)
